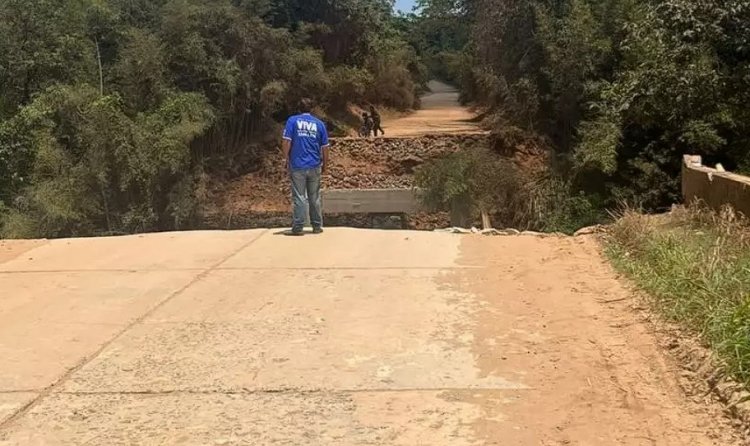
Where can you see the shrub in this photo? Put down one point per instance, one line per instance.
(347, 84)
(97, 170)
(393, 83)
(466, 183)
(476, 180)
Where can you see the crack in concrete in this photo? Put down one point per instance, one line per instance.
(259, 268)
(289, 391)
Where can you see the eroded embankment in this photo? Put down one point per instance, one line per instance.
(261, 198)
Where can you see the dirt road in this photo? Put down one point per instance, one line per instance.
(355, 337)
(359, 162)
(440, 113)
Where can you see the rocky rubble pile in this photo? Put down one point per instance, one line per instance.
(358, 163)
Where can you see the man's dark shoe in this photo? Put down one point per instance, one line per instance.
(297, 231)
(317, 230)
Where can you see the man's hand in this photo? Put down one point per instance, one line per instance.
(324, 166)
(286, 147)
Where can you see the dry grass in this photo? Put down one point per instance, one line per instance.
(695, 264)
(516, 197)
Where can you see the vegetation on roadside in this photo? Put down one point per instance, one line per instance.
(695, 265)
(113, 111)
(440, 34)
(477, 180)
(617, 90)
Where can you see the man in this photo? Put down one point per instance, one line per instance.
(376, 121)
(305, 149)
(367, 124)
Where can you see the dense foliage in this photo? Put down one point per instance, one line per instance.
(620, 89)
(475, 181)
(111, 110)
(440, 33)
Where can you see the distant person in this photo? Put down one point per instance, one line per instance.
(305, 148)
(367, 124)
(376, 121)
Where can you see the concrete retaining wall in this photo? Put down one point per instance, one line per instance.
(714, 187)
(370, 201)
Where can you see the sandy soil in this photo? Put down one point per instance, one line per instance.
(355, 337)
(440, 113)
(10, 249)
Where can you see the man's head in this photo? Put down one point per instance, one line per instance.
(306, 105)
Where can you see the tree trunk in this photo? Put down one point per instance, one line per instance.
(486, 221)
(101, 74)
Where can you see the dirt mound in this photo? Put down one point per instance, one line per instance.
(356, 163)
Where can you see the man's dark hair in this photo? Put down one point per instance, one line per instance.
(306, 105)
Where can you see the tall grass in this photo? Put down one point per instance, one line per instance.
(477, 179)
(695, 264)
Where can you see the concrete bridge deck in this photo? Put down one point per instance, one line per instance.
(354, 337)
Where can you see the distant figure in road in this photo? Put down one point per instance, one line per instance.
(305, 147)
(376, 121)
(367, 124)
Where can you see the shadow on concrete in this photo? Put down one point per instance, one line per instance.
(289, 233)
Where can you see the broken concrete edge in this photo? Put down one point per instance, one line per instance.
(590, 230)
(695, 163)
(426, 135)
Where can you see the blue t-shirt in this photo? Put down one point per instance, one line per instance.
(308, 135)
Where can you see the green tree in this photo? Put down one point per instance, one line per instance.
(43, 43)
(97, 169)
(620, 89)
(112, 111)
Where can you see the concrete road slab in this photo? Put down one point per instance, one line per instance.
(351, 248)
(354, 337)
(165, 251)
(337, 418)
(230, 357)
(235, 330)
(273, 295)
(50, 322)
(12, 402)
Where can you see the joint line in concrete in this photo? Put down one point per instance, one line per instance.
(290, 391)
(87, 359)
(242, 268)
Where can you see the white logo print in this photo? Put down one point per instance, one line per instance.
(307, 129)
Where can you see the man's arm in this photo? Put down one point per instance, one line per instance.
(324, 146)
(286, 147)
(286, 141)
(324, 150)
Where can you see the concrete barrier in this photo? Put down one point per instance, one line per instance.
(714, 187)
(370, 201)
